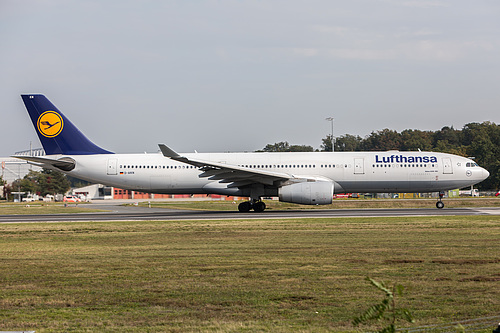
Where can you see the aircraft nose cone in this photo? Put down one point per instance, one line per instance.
(486, 174)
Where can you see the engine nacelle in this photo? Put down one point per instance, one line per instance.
(317, 192)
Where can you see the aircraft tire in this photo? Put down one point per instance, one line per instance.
(440, 205)
(259, 206)
(244, 207)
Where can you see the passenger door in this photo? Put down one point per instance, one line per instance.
(112, 166)
(359, 166)
(447, 166)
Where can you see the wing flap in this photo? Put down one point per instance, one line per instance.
(242, 183)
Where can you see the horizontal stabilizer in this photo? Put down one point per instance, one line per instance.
(65, 163)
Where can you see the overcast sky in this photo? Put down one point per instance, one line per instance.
(237, 75)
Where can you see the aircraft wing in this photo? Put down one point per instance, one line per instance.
(65, 163)
(237, 176)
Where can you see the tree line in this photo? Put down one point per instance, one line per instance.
(40, 182)
(480, 141)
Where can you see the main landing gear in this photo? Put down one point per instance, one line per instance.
(257, 206)
(440, 203)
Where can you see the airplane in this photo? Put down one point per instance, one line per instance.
(309, 178)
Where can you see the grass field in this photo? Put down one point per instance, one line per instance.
(10, 208)
(337, 204)
(303, 275)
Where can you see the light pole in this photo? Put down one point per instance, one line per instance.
(330, 119)
(19, 184)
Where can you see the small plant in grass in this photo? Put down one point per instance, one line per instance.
(385, 311)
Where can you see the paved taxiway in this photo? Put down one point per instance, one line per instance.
(127, 213)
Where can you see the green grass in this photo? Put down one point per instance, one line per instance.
(32, 208)
(337, 204)
(303, 275)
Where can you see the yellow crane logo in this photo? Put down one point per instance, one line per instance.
(50, 124)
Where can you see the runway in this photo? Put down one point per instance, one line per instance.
(121, 213)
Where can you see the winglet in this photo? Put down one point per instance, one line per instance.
(168, 152)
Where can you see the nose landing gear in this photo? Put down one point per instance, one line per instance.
(440, 203)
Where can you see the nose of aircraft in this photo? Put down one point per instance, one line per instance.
(486, 174)
(483, 174)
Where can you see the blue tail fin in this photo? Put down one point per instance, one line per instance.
(57, 134)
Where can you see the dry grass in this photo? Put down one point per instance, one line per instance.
(304, 275)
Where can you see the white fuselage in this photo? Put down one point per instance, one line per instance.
(391, 171)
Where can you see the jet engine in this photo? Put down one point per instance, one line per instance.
(307, 192)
